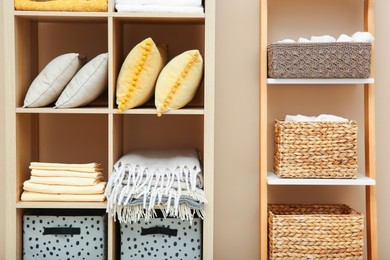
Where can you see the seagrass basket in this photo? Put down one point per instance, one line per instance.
(315, 149)
(62, 5)
(307, 231)
(319, 60)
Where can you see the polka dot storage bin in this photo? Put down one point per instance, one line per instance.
(64, 237)
(161, 239)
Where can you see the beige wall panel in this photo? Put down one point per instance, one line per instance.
(2, 140)
(382, 21)
(236, 125)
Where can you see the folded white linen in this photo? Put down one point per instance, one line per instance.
(69, 181)
(193, 3)
(344, 38)
(35, 196)
(299, 118)
(322, 38)
(51, 173)
(363, 37)
(330, 118)
(62, 189)
(303, 40)
(158, 9)
(286, 41)
(320, 118)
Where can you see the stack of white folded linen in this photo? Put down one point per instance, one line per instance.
(171, 180)
(356, 37)
(159, 6)
(320, 118)
(64, 182)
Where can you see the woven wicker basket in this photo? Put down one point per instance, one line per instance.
(319, 60)
(314, 232)
(315, 149)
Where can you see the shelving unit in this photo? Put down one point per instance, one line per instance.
(98, 132)
(267, 178)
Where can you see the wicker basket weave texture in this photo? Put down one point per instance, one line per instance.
(319, 60)
(315, 149)
(315, 232)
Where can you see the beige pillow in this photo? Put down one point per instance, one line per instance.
(88, 83)
(50, 82)
(138, 75)
(178, 81)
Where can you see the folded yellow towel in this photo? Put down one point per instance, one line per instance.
(34, 196)
(62, 5)
(72, 181)
(52, 173)
(86, 167)
(62, 189)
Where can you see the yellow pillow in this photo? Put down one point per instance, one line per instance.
(178, 81)
(138, 74)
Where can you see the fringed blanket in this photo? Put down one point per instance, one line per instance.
(170, 180)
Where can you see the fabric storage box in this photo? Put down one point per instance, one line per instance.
(64, 237)
(319, 60)
(315, 149)
(314, 232)
(161, 238)
(62, 5)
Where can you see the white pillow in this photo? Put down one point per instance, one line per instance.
(47, 86)
(88, 83)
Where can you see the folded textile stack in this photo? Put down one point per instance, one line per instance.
(320, 118)
(159, 6)
(356, 37)
(171, 180)
(64, 182)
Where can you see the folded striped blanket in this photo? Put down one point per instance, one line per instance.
(168, 179)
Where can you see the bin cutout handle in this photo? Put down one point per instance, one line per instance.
(61, 231)
(158, 230)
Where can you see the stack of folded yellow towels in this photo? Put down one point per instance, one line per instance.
(64, 182)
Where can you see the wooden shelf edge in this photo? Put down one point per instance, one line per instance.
(49, 110)
(153, 111)
(135, 111)
(45, 15)
(61, 205)
(273, 81)
(361, 180)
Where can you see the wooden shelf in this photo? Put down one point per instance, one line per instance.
(62, 16)
(61, 205)
(101, 16)
(361, 180)
(319, 81)
(158, 17)
(135, 111)
(50, 110)
(153, 111)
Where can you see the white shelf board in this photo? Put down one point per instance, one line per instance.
(361, 180)
(320, 81)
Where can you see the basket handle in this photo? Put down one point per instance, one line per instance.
(61, 231)
(158, 230)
